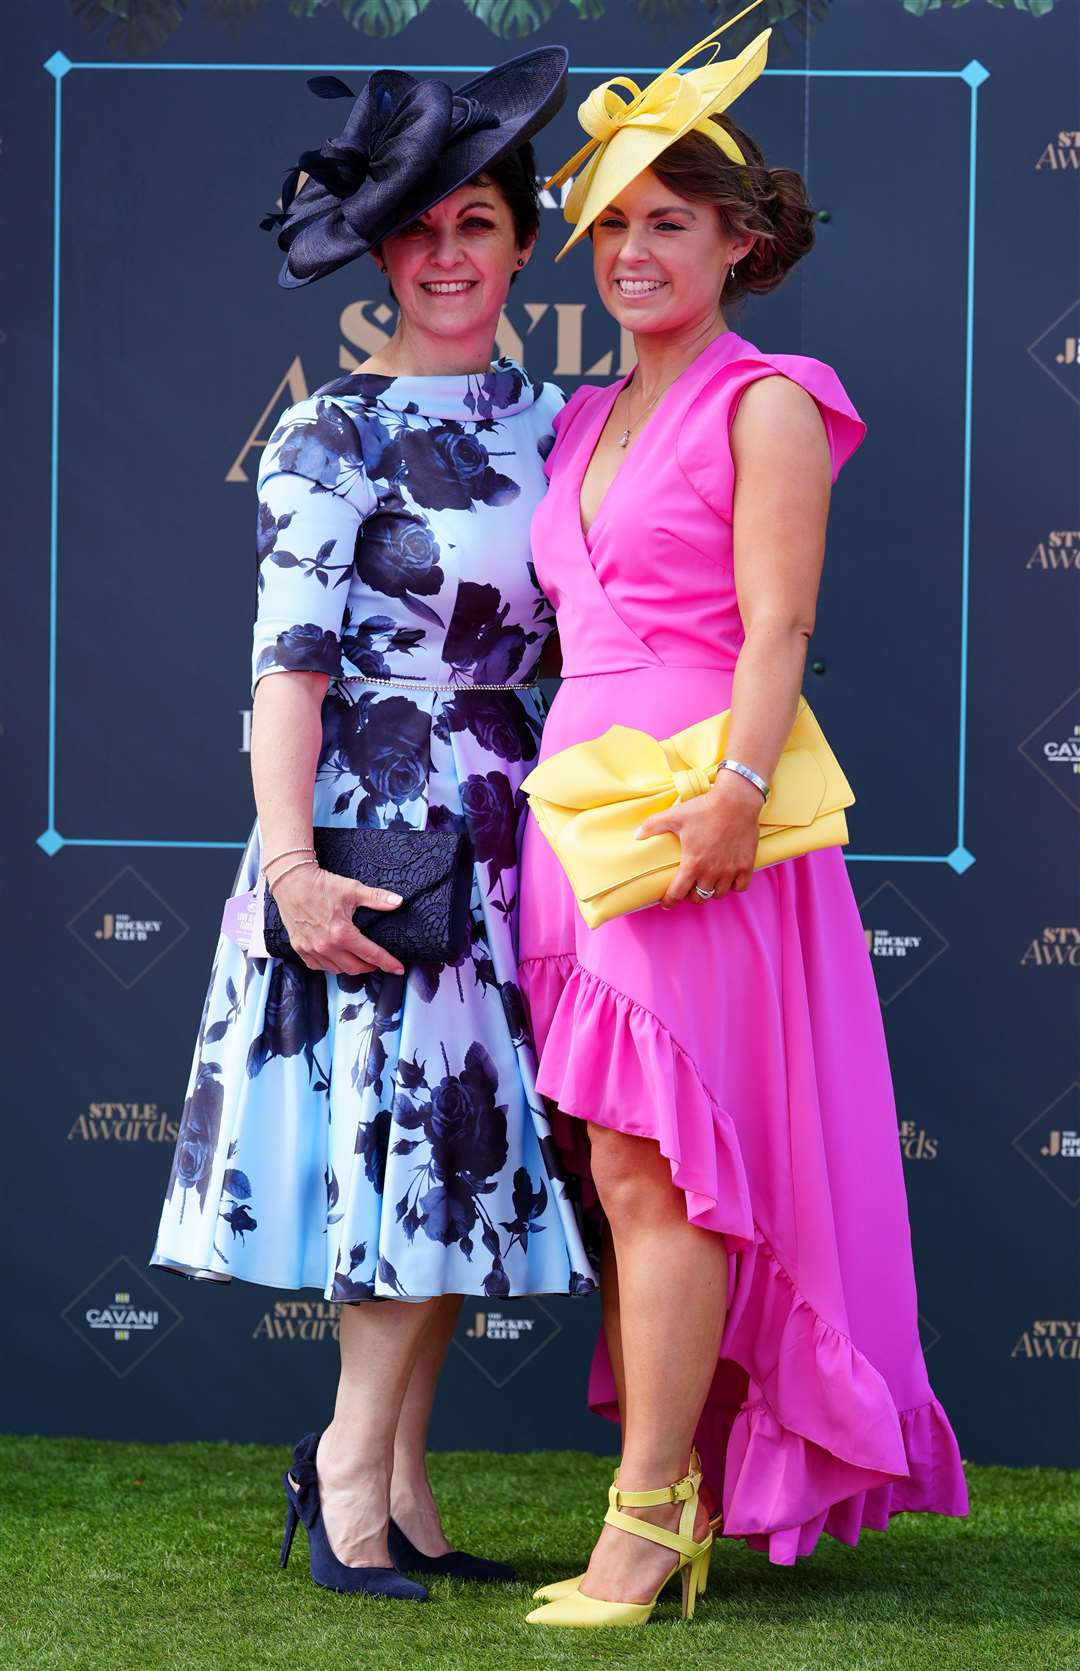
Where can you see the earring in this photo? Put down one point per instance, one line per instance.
(521, 261)
(733, 270)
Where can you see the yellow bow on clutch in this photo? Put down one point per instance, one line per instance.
(590, 800)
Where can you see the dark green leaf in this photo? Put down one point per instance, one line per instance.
(510, 19)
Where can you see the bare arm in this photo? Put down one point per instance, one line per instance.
(782, 476)
(316, 906)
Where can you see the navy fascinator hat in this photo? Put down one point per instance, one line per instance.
(407, 144)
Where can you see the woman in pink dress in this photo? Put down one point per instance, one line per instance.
(717, 1064)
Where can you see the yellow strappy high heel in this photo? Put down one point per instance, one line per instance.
(569, 1586)
(571, 1609)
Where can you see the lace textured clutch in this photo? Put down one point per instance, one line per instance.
(431, 869)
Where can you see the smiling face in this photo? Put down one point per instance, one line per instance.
(450, 270)
(660, 259)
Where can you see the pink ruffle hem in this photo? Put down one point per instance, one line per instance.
(801, 1433)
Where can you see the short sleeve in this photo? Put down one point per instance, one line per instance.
(561, 421)
(547, 411)
(708, 464)
(314, 494)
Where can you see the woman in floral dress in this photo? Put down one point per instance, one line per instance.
(370, 1131)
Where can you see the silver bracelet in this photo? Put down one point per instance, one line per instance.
(750, 776)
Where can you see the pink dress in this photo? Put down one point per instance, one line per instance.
(745, 1036)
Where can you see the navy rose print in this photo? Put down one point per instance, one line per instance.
(508, 730)
(449, 469)
(307, 649)
(197, 1139)
(399, 555)
(380, 1136)
(295, 1019)
(480, 641)
(381, 743)
(491, 814)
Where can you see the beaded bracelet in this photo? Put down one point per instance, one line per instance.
(299, 865)
(285, 855)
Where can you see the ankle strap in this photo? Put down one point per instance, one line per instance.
(680, 1492)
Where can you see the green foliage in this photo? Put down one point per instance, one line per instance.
(136, 28)
(133, 27)
(510, 19)
(785, 17)
(380, 18)
(230, 11)
(1037, 8)
(128, 1557)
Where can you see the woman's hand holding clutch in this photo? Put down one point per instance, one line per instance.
(317, 909)
(718, 834)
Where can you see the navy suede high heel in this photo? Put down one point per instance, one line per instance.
(454, 1564)
(326, 1569)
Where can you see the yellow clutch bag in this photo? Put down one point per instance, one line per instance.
(591, 798)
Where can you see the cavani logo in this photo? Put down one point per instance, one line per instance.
(1055, 948)
(902, 942)
(915, 1142)
(1061, 154)
(123, 1122)
(1059, 551)
(501, 1342)
(1049, 1337)
(1051, 1144)
(127, 927)
(121, 1316)
(1053, 749)
(1064, 751)
(305, 1320)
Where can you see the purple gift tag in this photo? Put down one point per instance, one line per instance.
(242, 921)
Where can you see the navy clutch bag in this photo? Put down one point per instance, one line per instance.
(432, 870)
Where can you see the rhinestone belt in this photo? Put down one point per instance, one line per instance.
(414, 684)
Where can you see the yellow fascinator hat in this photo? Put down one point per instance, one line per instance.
(629, 126)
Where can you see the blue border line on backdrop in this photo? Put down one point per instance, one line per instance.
(973, 74)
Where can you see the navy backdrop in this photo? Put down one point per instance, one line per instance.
(146, 351)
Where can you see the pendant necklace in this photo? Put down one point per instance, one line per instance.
(632, 424)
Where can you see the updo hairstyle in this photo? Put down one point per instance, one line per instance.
(770, 204)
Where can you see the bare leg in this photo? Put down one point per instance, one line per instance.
(609, 1291)
(379, 1344)
(411, 1501)
(672, 1288)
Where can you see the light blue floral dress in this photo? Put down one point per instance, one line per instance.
(381, 1136)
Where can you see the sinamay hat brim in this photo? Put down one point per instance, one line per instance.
(421, 158)
(656, 123)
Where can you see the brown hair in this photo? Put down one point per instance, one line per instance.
(514, 176)
(770, 203)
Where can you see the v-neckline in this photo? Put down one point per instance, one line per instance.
(607, 407)
(594, 441)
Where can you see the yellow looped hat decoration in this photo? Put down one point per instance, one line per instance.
(629, 126)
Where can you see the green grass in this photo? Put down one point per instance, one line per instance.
(125, 1557)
